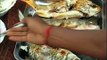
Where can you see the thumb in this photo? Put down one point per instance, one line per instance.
(29, 21)
(35, 21)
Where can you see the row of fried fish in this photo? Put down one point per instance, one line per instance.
(65, 9)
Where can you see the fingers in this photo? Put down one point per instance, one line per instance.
(30, 37)
(34, 19)
(21, 29)
(16, 33)
(18, 38)
(29, 20)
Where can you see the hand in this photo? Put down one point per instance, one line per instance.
(33, 32)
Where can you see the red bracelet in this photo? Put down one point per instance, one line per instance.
(47, 33)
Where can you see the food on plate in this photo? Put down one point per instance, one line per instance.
(87, 7)
(66, 9)
(77, 24)
(43, 52)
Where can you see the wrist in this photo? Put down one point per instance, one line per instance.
(47, 32)
(44, 29)
(41, 29)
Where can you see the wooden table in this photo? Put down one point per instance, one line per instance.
(7, 47)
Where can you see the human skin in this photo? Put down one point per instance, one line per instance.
(89, 42)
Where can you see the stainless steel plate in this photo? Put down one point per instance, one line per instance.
(101, 21)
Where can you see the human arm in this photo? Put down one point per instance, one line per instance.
(92, 43)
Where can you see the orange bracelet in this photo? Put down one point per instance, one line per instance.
(47, 33)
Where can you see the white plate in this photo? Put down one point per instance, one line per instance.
(2, 29)
(7, 5)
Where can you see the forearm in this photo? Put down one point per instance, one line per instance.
(92, 43)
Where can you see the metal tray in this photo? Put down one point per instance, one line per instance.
(21, 55)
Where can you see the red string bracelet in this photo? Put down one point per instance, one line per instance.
(47, 33)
